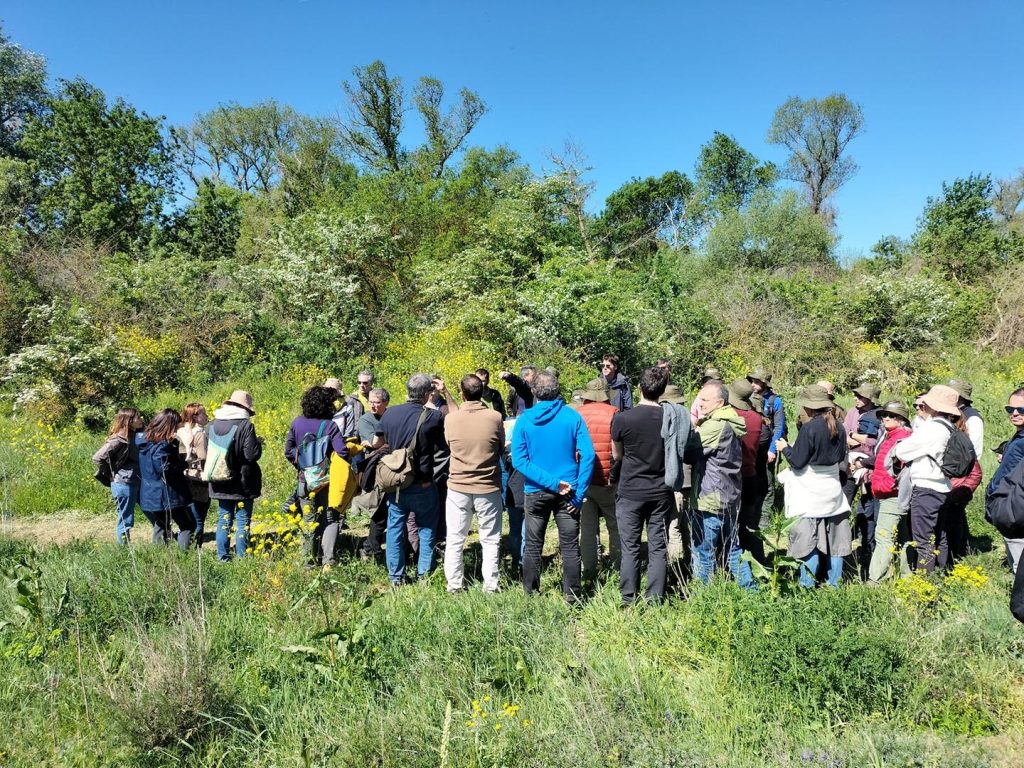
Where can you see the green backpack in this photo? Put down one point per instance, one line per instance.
(216, 469)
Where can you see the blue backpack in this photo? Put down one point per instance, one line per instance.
(314, 459)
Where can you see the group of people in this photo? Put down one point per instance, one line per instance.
(702, 480)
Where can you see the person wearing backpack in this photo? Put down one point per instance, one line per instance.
(164, 494)
(117, 465)
(925, 451)
(1012, 453)
(233, 471)
(312, 438)
(411, 435)
(192, 445)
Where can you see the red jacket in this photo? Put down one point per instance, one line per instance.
(749, 441)
(883, 485)
(598, 419)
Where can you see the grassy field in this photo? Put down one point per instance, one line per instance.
(147, 656)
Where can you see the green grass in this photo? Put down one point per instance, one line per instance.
(159, 658)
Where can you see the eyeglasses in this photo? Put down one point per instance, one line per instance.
(607, 365)
(919, 406)
(1015, 410)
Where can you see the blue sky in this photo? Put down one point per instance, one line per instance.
(639, 86)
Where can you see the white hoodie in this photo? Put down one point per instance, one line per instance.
(925, 448)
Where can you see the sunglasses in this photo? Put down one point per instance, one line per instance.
(1015, 410)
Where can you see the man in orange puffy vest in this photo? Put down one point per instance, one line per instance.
(597, 413)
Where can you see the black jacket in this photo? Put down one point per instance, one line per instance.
(521, 396)
(814, 445)
(246, 477)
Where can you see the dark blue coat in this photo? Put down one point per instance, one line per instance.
(162, 469)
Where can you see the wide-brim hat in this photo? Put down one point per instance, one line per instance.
(895, 408)
(242, 399)
(829, 387)
(869, 391)
(814, 398)
(710, 374)
(760, 374)
(335, 384)
(963, 388)
(596, 390)
(672, 394)
(942, 399)
(739, 395)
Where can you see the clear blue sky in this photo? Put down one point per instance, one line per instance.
(639, 86)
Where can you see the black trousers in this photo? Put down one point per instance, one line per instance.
(539, 508)
(374, 543)
(957, 531)
(750, 517)
(1017, 595)
(632, 515)
(928, 530)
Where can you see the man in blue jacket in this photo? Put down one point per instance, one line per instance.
(547, 440)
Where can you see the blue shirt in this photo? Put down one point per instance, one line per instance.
(546, 441)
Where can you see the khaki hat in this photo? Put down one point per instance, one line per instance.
(739, 395)
(596, 390)
(829, 387)
(869, 391)
(672, 395)
(760, 374)
(242, 399)
(710, 374)
(333, 383)
(963, 388)
(895, 408)
(814, 398)
(942, 399)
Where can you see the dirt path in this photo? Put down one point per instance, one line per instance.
(58, 529)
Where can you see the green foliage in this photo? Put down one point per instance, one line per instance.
(210, 227)
(904, 312)
(957, 232)
(643, 211)
(816, 132)
(728, 175)
(776, 230)
(22, 91)
(103, 170)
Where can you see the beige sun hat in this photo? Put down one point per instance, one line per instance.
(333, 383)
(943, 399)
(672, 395)
(596, 390)
(242, 399)
(739, 395)
(829, 387)
(814, 398)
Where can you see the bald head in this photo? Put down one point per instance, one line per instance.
(712, 396)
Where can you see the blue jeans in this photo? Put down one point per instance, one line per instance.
(516, 534)
(421, 503)
(809, 570)
(230, 510)
(126, 496)
(708, 532)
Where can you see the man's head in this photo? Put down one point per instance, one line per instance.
(1015, 408)
(472, 387)
(652, 383)
(866, 395)
(365, 382)
(664, 362)
(545, 386)
(610, 366)
(712, 396)
(527, 372)
(760, 380)
(484, 375)
(419, 388)
(379, 399)
(965, 389)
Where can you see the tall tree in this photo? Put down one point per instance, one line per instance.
(643, 211)
(445, 132)
(727, 175)
(22, 91)
(103, 170)
(1006, 202)
(375, 117)
(816, 132)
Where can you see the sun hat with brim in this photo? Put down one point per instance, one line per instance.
(672, 395)
(869, 391)
(739, 395)
(895, 408)
(829, 387)
(333, 383)
(963, 388)
(242, 399)
(596, 390)
(814, 398)
(710, 374)
(942, 399)
(760, 374)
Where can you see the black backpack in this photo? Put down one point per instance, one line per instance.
(959, 456)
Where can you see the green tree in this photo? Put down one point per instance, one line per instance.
(776, 230)
(209, 228)
(727, 175)
(1006, 203)
(22, 91)
(643, 212)
(957, 232)
(103, 170)
(816, 132)
(446, 132)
